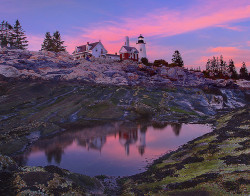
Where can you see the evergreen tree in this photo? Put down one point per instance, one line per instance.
(19, 38)
(47, 42)
(223, 67)
(57, 42)
(53, 43)
(213, 64)
(6, 34)
(232, 69)
(208, 65)
(243, 71)
(177, 59)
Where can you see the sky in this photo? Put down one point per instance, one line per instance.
(199, 29)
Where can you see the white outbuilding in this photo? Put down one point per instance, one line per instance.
(95, 49)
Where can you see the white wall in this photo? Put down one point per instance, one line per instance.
(142, 51)
(96, 51)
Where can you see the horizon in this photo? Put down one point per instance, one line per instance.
(199, 30)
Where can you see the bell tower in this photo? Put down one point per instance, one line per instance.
(141, 46)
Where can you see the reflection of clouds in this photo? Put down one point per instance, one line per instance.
(95, 138)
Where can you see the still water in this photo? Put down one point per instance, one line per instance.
(116, 149)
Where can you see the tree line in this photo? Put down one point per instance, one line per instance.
(176, 61)
(12, 36)
(218, 68)
(53, 43)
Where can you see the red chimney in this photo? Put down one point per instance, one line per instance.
(87, 43)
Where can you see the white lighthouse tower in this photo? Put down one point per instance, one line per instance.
(141, 46)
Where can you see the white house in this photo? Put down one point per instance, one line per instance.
(128, 52)
(95, 49)
(114, 57)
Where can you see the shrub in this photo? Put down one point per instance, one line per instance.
(144, 61)
(160, 62)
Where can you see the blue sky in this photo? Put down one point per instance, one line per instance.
(198, 29)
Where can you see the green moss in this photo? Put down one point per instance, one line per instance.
(179, 110)
(193, 170)
(104, 110)
(206, 139)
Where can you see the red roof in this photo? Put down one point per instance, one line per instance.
(83, 47)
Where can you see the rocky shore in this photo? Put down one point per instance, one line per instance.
(214, 164)
(50, 66)
(30, 110)
(43, 93)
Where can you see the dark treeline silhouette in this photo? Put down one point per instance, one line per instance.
(53, 43)
(12, 36)
(218, 68)
(176, 61)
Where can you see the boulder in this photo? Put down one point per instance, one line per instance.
(9, 71)
(245, 84)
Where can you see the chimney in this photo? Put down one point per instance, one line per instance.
(116, 53)
(87, 43)
(126, 41)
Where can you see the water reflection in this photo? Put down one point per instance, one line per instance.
(107, 147)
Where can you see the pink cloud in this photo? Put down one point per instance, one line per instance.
(237, 54)
(162, 23)
(234, 28)
(165, 22)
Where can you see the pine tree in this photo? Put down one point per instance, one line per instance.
(47, 42)
(213, 64)
(232, 69)
(19, 38)
(243, 71)
(3, 39)
(53, 43)
(57, 42)
(222, 66)
(6, 34)
(208, 65)
(177, 59)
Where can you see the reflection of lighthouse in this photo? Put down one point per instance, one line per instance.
(127, 138)
(142, 139)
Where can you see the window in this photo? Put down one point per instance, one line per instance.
(140, 49)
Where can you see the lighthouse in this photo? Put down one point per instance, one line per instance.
(141, 46)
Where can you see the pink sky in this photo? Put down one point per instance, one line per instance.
(198, 29)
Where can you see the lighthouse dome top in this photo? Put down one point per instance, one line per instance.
(140, 36)
(140, 39)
